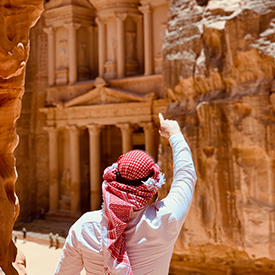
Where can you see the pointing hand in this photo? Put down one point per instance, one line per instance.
(168, 127)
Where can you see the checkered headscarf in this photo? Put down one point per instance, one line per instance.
(121, 200)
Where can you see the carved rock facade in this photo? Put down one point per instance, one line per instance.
(93, 91)
(219, 77)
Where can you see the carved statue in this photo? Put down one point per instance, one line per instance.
(82, 54)
(131, 44)
(63, 54)
(113, 47)
(66, 181)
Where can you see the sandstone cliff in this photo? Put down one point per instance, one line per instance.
(16, 17)
(219, 76)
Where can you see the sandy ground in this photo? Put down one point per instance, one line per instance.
(41, 260)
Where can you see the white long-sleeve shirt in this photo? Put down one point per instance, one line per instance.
(151, 233)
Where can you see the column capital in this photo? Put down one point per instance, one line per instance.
(148, 126)
(72, 26)
(121, 16)
(49, 30)
(94, 129)
(125, 127)
(145, 9)
(99, 20)
(72, 128)
(50, 129)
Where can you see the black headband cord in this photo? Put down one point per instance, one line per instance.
(137, 182)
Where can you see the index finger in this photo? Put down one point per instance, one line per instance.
(161, 119)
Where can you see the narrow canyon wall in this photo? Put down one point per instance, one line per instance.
(31, 152)
(219, 76)
(16, 18)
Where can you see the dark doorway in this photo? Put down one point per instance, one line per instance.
(111, 146)
(202, 2)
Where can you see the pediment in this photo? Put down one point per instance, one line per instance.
(61, 3)
(104, 95)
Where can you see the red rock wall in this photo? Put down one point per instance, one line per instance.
(31, 152)
(219, 76)
(16, 18)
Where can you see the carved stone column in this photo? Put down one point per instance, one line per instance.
(74, 168)
(120, 18)
(72, 27)
(148, 39)
(127, 141)
(149, 132)
(95, 175)
(101, 46)
(53, 169)
(51, 55)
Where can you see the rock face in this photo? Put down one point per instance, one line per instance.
(219, 76)
(16, 17)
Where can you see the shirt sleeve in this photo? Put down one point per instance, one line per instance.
(179, 199)
(70, 262)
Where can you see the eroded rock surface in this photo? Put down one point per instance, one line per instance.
(16, 19)
(219, 77)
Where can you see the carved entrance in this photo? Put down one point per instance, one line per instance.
(87, 134)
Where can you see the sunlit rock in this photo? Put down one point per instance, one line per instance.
(219, 77)
(16, 19)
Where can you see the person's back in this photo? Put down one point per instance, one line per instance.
(149, 232)
(150, 239)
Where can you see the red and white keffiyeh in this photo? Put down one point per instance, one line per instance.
(120, 201)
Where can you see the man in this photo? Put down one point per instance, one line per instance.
(133, 233)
